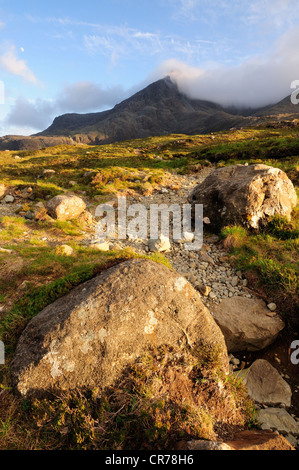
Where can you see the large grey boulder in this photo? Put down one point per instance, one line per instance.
(246, 195)
(65, 207)
(245, 323)
(265, 385)
(86, 339)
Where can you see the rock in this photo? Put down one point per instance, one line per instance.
(277, 419)
(64, 250)
(2, 190)
(245, 195)
(161, 244)
(87, 338)
(29, 215)
(244, 440)
(48, 172)
(207, 445)
(101, 246)
(9, 199)
(65, 207)
(188, 237)
(213, 238)
(259, 440)
(245, 324)
(204, 257)
(205, 290)
(292, 440)
(235, 281)
(265, 385)
(5, 250)
(272, 307)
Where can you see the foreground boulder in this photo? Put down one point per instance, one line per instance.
(65, 207)
(246, 324)
(86, 339)
(246, 195)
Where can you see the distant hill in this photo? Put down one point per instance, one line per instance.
(159, 109)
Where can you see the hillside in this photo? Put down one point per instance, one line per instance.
(159, 109)
(167, 397)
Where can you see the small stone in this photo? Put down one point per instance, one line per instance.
(9, 199)
(64, 250)
(271, 314)
(235, 281)
(4, 250)
(48, 172)
(160, 245)
(204, 257)
(101, 246)
(29, 215)
(272, 307)
(205, 290)
(188, 236)
(235, 361)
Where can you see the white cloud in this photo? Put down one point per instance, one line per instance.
(30, 114)
(117, 43)
(87, 96)
(277, 14)
(259, 81)
(12, 64)
(81, 97)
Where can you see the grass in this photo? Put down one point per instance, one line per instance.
(271, 258)
(160, 399)
(146, 408)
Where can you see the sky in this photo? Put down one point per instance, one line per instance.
(66, 56)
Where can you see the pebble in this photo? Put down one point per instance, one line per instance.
(9, 199)
(272, 307)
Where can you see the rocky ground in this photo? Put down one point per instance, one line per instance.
(211, 273)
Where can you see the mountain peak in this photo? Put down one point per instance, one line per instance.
(158, 109)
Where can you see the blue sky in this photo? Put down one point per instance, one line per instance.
(84, 56)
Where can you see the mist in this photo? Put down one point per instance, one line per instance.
(255, 83)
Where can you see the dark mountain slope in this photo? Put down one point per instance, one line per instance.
(159, 109)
